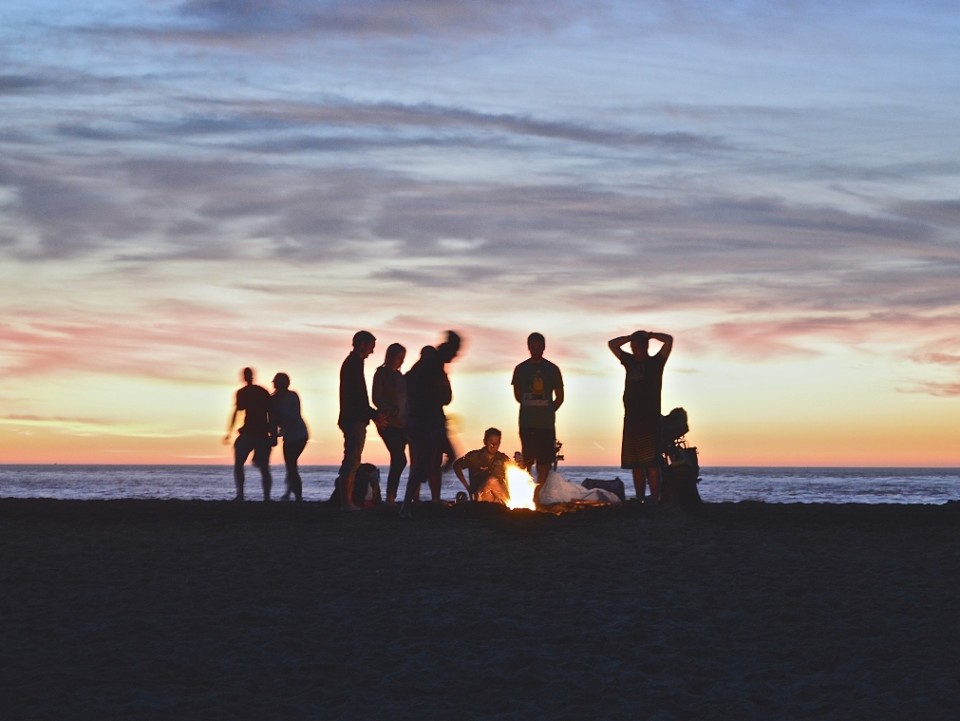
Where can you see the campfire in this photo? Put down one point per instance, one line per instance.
(520, 488)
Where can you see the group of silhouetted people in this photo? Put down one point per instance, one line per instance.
(266, 418)
(408, 412)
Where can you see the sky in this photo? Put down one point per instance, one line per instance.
(188, 188)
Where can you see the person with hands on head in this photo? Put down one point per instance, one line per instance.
(642, 445)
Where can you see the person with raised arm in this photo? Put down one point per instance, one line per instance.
(642, 446)
(428, 391)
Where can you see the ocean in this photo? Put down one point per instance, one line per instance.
(727, 484)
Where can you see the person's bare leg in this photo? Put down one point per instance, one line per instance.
(353, 441)
(435, 480)
(653, 474)
(266, 480)
(346, 494)
(640, 482)
(543, 472)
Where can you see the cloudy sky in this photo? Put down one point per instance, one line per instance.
(187, 188)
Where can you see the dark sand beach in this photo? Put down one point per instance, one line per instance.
(177, 610)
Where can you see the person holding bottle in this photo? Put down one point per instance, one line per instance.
(538, 388)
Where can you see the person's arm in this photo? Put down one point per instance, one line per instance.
(616, 345)
(273, 423)
(446, 390)
(384, 393)
(558, 398)
(354, 403)
(667, 341)
(277, 415)
(379, 390)
(517, 393)
(458, 470)
(231, 424)
(233, 418)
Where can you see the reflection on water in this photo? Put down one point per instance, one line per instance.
(772, 485)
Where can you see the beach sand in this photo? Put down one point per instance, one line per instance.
(177, 610)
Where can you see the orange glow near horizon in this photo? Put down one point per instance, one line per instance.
(591, 441)
(739, 414)
(715, 451)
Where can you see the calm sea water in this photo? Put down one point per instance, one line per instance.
(772, 485)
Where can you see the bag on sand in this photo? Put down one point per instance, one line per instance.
(614, 486)
(680, 478)
(558, 490)
(366, 487)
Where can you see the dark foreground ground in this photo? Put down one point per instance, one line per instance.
(181, 610)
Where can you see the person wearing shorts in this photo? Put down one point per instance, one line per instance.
(257, 435)
(538, 388)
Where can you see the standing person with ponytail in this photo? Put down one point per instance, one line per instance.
(290, 425)
(390, 400)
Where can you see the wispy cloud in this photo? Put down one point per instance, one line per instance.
(12, 84)
(188, 187)
(416, 18)
(415, 231)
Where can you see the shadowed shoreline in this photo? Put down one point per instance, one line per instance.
(745, 512)
(159, 609)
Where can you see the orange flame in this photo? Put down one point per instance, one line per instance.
(520, 488)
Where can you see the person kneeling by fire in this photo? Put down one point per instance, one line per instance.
(487, 467)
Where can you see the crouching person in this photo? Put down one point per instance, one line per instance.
(486, 468)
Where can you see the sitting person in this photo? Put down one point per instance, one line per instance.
(487, 467)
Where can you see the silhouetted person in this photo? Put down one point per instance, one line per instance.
(487, 469)
(390, 399)
(355, 414)
(444, 460)
(538, 388)
(256, 435)
(446, 455)
(290, 425)
(428, 391)
(427, 354)
(642, 439)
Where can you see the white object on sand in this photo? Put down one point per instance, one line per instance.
(557, 489)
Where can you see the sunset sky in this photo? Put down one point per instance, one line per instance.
(187, 188)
